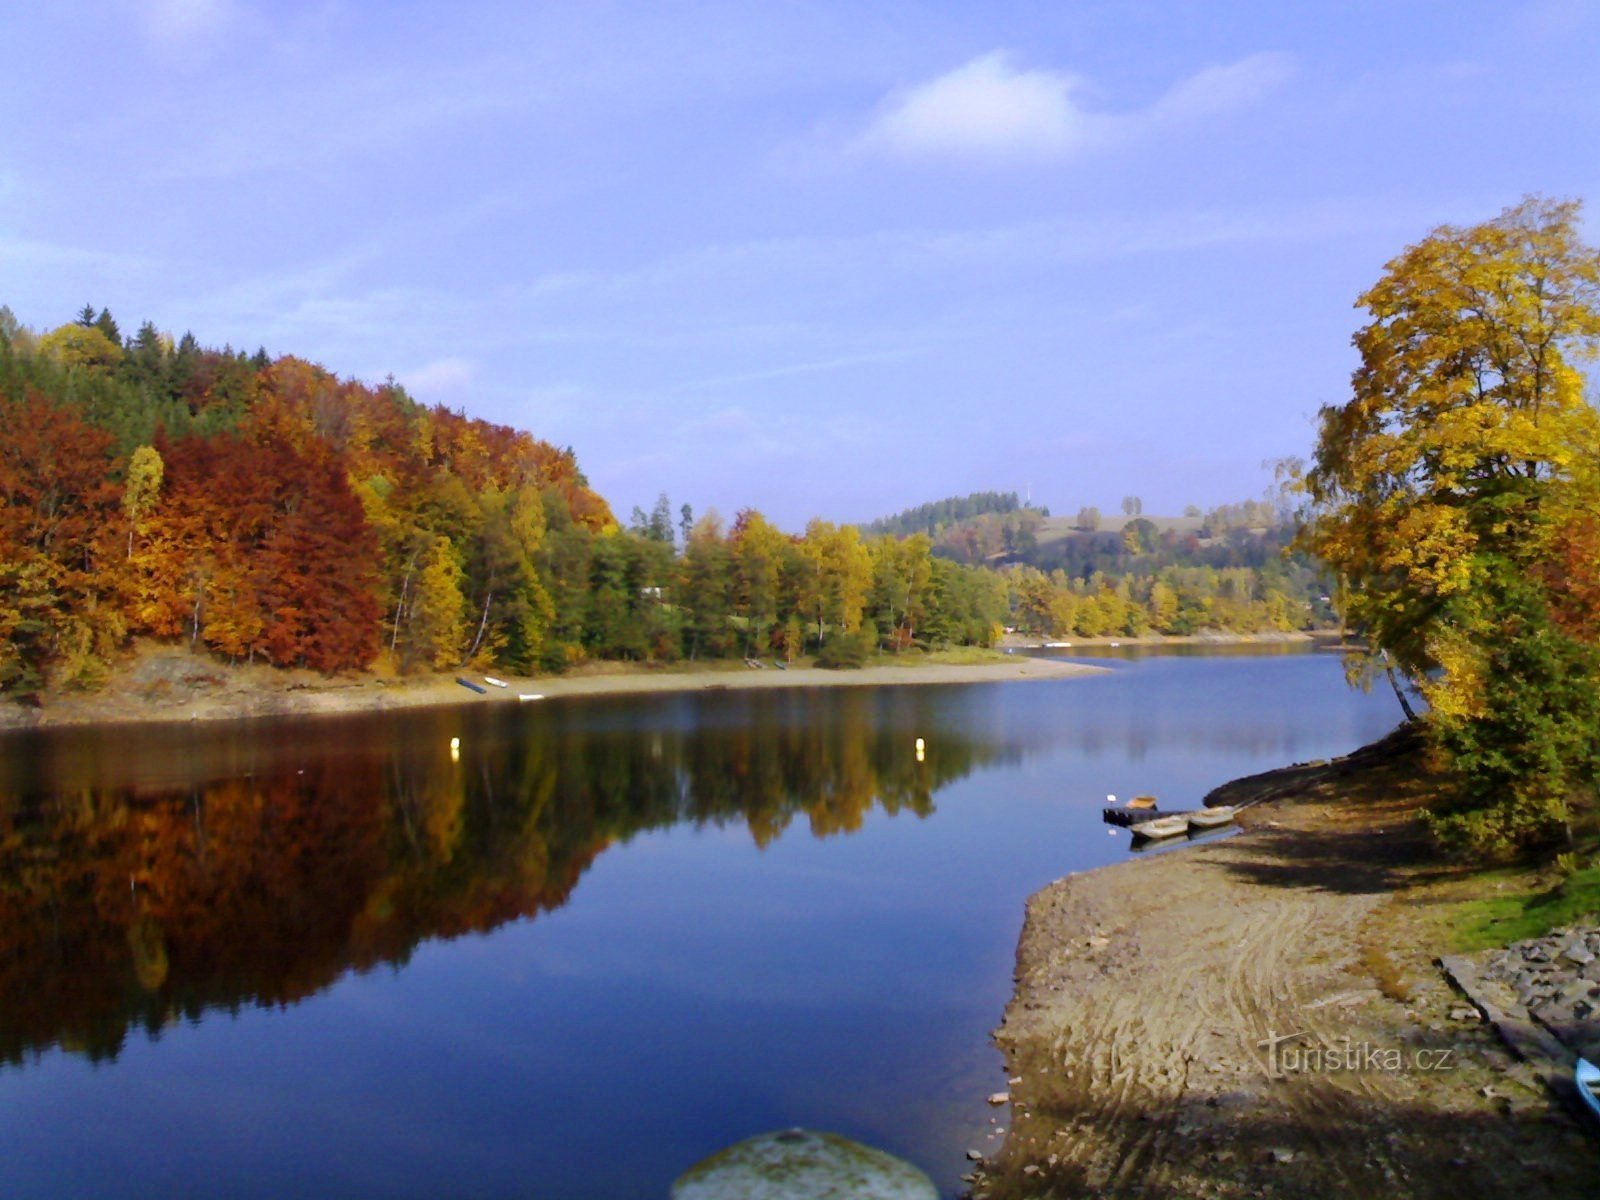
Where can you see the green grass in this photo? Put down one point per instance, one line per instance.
(1523, 905)
(954, 655)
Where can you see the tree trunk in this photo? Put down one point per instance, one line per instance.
(1405, 705)
(400, 606)
(482, 625)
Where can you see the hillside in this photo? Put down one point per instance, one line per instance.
(1128, 575)
(266, 511)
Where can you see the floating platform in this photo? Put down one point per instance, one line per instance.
(1127, 817)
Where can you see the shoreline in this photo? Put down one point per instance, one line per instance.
(170, 688)
(1017, 641)
(1152, 998)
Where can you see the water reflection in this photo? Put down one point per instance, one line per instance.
(146, 878)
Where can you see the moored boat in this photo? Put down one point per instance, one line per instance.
(1161, 827)
(1587, 1076)
(1212, 818)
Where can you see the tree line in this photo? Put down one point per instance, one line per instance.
(939, 514)
(267, 511)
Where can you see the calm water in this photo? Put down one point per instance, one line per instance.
(322, 959)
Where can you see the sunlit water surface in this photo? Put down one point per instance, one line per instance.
(321, 958)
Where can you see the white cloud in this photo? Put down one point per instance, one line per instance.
(992, 108)
(987, 106)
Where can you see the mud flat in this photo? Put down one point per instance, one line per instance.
(1255, 1017)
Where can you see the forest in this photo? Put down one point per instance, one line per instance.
(266, 511)
(262, 509)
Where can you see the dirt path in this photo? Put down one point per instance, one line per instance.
(1149, 994)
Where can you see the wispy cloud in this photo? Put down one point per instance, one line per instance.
(790, 370)
(174, 23)
(21, 252)
(993, 108)
(1216, 91)
(441, 381)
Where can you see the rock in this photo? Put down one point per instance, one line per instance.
(974, 1155)
(1280, 1155)
(1000, 1098)
(1575, 992)
(1575, 951)
(1463, 1014)
(798, 1164)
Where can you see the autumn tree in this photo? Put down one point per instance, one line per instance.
(1435, 485)
(760, 550)
(81, 346)
(705, 590)
(141, 489)
(61, 607)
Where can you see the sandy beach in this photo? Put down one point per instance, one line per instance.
(169, 686)
(1158, 1040)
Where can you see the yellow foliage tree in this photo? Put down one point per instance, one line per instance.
(1465, 410)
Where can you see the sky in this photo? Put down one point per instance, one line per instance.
(819, 259)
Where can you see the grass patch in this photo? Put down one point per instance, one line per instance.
(1521, 905)
(952, 656)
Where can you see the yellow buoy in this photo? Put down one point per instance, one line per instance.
(455, 749)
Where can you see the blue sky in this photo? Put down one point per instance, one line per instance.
(819, 259)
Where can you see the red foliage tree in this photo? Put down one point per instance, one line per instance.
(61, 576)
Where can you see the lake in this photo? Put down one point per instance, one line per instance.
(322, 958)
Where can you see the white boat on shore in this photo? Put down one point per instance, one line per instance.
(1161, 827)
(1212, 818)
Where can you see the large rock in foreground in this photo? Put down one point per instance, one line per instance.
(800, 1165)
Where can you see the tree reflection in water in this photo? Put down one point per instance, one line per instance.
(256, 871)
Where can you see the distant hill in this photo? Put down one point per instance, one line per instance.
(1098, 574)
(942, 514)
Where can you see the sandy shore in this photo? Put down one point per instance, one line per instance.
(173, 686)
(1140, 1040)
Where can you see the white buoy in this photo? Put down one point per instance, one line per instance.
(1111, 799)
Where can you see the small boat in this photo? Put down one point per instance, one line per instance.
(1212, 818)
(530, 696)
(1161, 827)
(490, 679)
(1587, 1076)
(470, 686)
